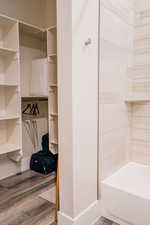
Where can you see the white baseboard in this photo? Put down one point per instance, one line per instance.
(25, 163)
(87, 217)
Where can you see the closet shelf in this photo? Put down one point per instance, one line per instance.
(34, 98)
(9, 117)
(32, 31)
(7, 51)
(6, 148)
(51, 28)
(53, 85)
(8, 85)
(53, 55)
(54, 142)
(54, 114)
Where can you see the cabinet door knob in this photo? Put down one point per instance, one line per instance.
(88, 42)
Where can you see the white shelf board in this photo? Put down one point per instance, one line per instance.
(52, 28)
(134, 100)
(7, 51)
(54, 114)
(32, 31)
(52, 55)
(8, 85)
(54, 142)
(9, 117)
(34, 97)
(5, 19)
(53, 85)
(6, 148)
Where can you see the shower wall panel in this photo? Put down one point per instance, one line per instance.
(116, 56)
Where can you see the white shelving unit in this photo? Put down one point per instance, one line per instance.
(52, 41)
(10, 116)
(53, 88)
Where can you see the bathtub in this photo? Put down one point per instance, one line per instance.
(126, 195)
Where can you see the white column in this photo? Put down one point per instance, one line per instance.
(78, 110)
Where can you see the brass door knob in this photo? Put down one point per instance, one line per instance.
(88, 42)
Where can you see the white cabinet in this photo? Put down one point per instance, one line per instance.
(53, 88)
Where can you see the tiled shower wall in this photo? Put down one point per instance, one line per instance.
(116, 55)
(141, 133)
(140, 136)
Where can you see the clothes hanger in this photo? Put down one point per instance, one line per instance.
(27, 107)
(33, 109)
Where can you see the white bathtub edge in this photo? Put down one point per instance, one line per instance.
(107, 215)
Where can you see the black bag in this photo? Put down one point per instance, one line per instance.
(45, 143)
(44, 161)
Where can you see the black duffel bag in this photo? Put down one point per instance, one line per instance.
(44, 161)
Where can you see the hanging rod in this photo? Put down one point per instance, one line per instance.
(34, 99)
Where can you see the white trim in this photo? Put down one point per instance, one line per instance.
(90, 216)
(9, 18)
(87, 217)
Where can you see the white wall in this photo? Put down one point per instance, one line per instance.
(116, 55)
(142, 5)
(30, 11)
(50, 18)
(41, 13)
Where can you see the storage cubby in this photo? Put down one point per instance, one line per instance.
(33, 61)
(53, 88)
(53, 73)
(9, 102)
(8, 34)
(53, 100)
(53, 124)
(52, 41)
(9, 69)
(10, 136)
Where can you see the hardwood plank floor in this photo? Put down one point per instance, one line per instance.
(104, 221)
(101, 221)
(20, 203)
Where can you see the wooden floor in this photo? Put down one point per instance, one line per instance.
(103, 221)
(20, 203)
